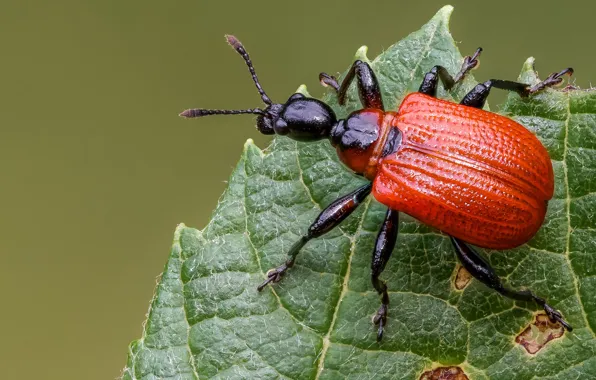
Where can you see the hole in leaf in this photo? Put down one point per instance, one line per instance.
(538, 334)
(462, 278)
(444, 373)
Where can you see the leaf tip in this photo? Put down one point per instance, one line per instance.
(361, 54)
(303, 90)
(529, 64)
(444, 13)
(528, 72)
(251, 149)
(248, 144)
(177, 233)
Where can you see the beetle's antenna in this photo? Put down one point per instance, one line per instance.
(198, 112)
(237, 45)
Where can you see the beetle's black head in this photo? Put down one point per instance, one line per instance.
(300, 118)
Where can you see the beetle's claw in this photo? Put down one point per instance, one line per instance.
(329, 81)
(477, 54)
(556, 316)
(556, 78)
(552, 80)
(567, 71)
(470, 62)
(380, 319)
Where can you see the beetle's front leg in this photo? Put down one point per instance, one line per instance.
(383, 248)
(327, 220)
(368, 85)
(482, 271)
(431, 79)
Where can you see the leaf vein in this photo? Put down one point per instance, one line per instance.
(254, 249)
(344, 290)
(568, 213)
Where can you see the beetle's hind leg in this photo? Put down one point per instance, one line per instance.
(327, 220)
(383, 248)
(368, 85)
(431, 79)
(482, 271)
(477, 96)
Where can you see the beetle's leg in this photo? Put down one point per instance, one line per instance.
(383, 249)
(368, 86)
(477, 97)
(482, 271)
(327, 220)
(552, 80)
(431, 79)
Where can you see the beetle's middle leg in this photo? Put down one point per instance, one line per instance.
(368, 85)
(482, 271)
(383, 249)
(477, 96)
(431, 79)
(327, 220)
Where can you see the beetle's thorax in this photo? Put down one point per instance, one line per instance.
(364, 138)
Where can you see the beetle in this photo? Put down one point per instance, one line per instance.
(479, 177)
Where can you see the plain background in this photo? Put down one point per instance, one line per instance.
(97, 168)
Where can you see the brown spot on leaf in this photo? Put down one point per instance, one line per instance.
(538, 334)
(462, 278)
(444, 373)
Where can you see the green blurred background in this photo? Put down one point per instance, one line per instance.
(97, 168)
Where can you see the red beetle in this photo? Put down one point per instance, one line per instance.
(479, 177)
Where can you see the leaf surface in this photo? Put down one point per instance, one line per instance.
(208, 321)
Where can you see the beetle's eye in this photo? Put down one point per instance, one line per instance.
(264, 125)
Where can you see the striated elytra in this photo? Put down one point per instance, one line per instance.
(472, 174)
(479, 177)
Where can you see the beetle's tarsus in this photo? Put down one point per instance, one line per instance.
(329, 81)
(552, 80)
(369, 90)
(384, 245)
(275, 275)
(555, 316)
(470, 62)
(431, 79)
(480, 269)
(327, 220)
(380, 319)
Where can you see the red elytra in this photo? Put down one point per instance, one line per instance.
(470, 173)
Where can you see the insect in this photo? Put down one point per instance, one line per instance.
(479, 177)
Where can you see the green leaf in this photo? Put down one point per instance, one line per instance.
(208, 321)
